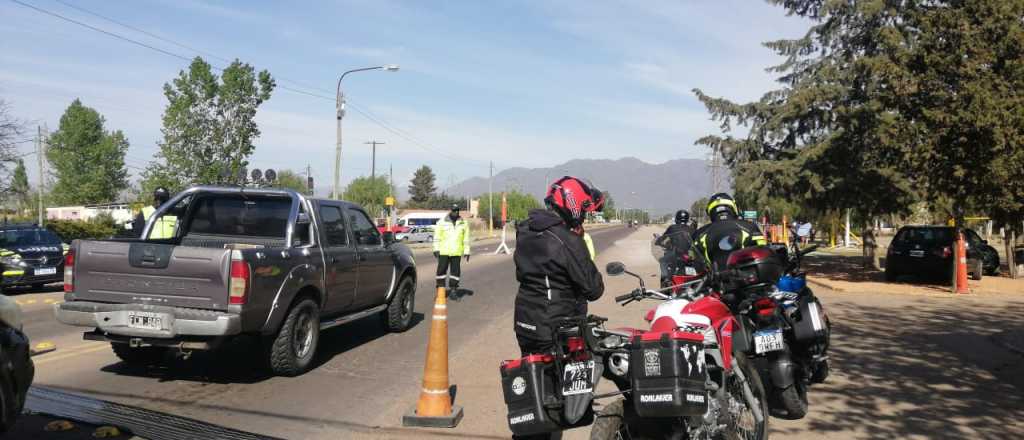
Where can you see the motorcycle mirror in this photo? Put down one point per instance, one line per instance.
(615, 268)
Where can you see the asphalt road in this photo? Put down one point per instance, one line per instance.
(360, 368)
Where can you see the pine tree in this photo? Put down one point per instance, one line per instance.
(20, 190)
(421, 187)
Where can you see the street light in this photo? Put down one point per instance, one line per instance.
(340, 105)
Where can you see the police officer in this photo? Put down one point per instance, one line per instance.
(451, 244)
(726, 232)
(676, 240)
(164, 227)
(556, 273)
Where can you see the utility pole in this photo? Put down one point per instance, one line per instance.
(39, 159)
(490, 201)
(373, 157)
(715, 166)
(309, 173)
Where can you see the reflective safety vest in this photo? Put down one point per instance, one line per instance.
(451, 238)
(590, 244)
(164, 226)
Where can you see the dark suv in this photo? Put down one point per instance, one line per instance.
(928, 251)
(30, 256)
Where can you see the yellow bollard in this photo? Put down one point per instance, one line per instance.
(434, 408)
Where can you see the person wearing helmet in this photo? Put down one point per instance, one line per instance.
(556, 274)
(451, 245)
(726, 232)
(164, 227)
(676, 240)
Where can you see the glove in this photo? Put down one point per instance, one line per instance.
(437, 255)
(467, 257)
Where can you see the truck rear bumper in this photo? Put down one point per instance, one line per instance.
(170, 322)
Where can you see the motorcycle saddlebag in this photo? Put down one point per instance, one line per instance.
(809, 325)
(533, 398)
(668, 374)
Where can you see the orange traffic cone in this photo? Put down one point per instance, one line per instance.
(434, 408)
(961, 265)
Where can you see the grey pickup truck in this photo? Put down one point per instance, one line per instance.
(264, 262)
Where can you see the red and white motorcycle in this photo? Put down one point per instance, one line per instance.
(684, 377)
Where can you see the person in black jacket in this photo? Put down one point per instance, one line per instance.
(676, 240)
(726, 232)
(556, 275)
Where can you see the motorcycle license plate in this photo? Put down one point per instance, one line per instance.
(766, 341)
(578, 378)
(690, 271)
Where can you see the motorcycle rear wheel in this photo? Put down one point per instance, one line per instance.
(753, 430)
(794, 401)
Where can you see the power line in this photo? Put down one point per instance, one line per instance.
(365, 113)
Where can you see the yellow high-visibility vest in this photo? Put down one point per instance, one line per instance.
(451, 239)
(164, 226)
(590, 245)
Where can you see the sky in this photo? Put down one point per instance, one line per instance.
(520, 83)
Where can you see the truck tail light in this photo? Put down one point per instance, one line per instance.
(238, 286)
(69, 271)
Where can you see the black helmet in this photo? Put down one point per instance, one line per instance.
(721, 206)
(161, 195)
(682, 217)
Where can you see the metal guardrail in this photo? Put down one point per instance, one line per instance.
(151, 425)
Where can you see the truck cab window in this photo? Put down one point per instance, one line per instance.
(366, 234)
(334, 226)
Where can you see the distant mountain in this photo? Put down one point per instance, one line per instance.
(659, 188)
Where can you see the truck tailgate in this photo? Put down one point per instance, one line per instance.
(149, 273)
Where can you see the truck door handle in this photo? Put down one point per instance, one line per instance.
(334, 259)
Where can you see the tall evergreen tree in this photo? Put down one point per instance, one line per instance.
(87, 160)
(20, 190)
(421, 187)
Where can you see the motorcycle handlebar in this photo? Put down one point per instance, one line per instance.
(625, 297)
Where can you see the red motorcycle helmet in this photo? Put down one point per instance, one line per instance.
(572, 199)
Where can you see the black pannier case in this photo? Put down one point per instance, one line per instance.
(668, 374)
(533, 397)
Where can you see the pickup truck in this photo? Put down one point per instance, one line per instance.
(242, 261)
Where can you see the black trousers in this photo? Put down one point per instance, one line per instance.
(449, 268)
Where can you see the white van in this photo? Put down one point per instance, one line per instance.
(428, 219)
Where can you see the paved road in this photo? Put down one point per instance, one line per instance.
(360, 368)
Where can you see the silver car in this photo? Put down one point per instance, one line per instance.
(416, 234)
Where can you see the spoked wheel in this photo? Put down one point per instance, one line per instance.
(742, 423)
(610, 423)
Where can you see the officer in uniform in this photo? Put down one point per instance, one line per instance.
(164, 227)
(451, 244)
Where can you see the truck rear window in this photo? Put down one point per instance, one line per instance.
(250, 216)
(924, 236)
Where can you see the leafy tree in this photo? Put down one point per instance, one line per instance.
(292, 180)
(20, 190)
(369, 192)
(443, 201)
(10, 130)
(87, 160)
(421, 187)
(698, 210)
(609, 207)
(209, 125)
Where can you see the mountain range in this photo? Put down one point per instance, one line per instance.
(658, 188)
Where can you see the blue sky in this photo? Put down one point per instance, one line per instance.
(523, 83)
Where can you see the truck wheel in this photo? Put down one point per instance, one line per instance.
(398, 316)
(292, 350)
(977, 272)
(138, 356)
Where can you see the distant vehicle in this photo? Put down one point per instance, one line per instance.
(269, 263)
(416, 234)
(988, 254)
(16, 368)
(30, 256)
(928, 251)
(421, 219)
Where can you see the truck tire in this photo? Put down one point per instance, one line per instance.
(978, 270)
(293, 349)
(398, 316)
(138, 356)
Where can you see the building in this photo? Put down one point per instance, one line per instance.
(121, 212)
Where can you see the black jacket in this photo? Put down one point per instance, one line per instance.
(680, 237)
(555, 273)
(716, 240)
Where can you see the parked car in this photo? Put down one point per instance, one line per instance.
(30, 256)
(988, 254)
(417, 234)
(928, 251)
(16, 367)
(242, 261)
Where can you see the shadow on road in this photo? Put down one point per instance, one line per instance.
(928, 369)
(242, 360)
(22, 290)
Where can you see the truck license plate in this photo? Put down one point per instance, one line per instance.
(578, 378)
(45, 270)
(768, 340)
(145, 320)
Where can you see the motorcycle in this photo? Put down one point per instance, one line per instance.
(685, 376)
(790, 328)
(677, 267)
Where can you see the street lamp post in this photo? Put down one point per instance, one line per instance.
(340, 106)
